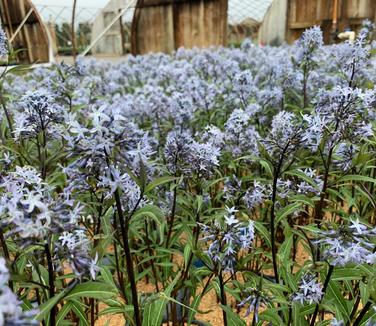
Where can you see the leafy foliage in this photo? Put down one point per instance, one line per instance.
(249, 173)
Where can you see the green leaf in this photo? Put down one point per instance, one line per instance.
(46, 307)
(63, 312)
(271, 316)
(158, 182)
(307, 310)
(369, 318)
(285, 249)
(334, 293)
(304, 200)
(297, 316)
(364, 292)
(153, 312)
(303, 176)
(77, 308)
(264, 232)
(267, 166)
(187, 253)
(286, 211)
(191, 314)
(357, 177)
(149, 211)
(232, 318)
(95, 290)
(114, 310)
(344, 274)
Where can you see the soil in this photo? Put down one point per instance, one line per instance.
(209, 303)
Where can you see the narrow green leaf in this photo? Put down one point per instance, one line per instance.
(285, 249)
(286, 211)
(357, 177)
(334, 293)
(76, 307)
(232, 318)
(96, 290)
(264, 232)
(46, 307)
(63, 312)
(344, 274)
(158, 182)
(191, 314)
(153, 312)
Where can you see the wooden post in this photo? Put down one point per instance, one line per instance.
(335, 15)
(9, 21)
(122, 40)
(25, 32)
(73, 31)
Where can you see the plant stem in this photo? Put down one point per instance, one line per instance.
(152, 262)
(172, 217)
(6, 253)
(305, 80)
(7, 114)
(92, 313)
(354, 310)
(326, 283)
(118, 272)
(290, 315)
(51, 282)
(272, 220)
(362, 313)
(223, 296)
(124, 226)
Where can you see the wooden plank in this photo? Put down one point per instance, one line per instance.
(224, 22)
(8, 20)
(169, 31)
(153, 3)
(168, 26)
(32, 38)
(201, 22)
(300, 25)
(25, 33)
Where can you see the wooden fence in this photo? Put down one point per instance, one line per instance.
(31, 40)
(166, 25)
(286, 20)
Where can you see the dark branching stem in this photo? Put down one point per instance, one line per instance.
(152, 262)
(277, 173)
(354, 310)
(92, 312)
(124, 226)
(51, 277)
(357, 302)
(326, 283)
(223, 296)
(172, 217)
(321, 204)
(290, 315)
(6, 112)
(362, 313)
(6, 253)
(305, 81)
(272, 230)
(118, 271)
